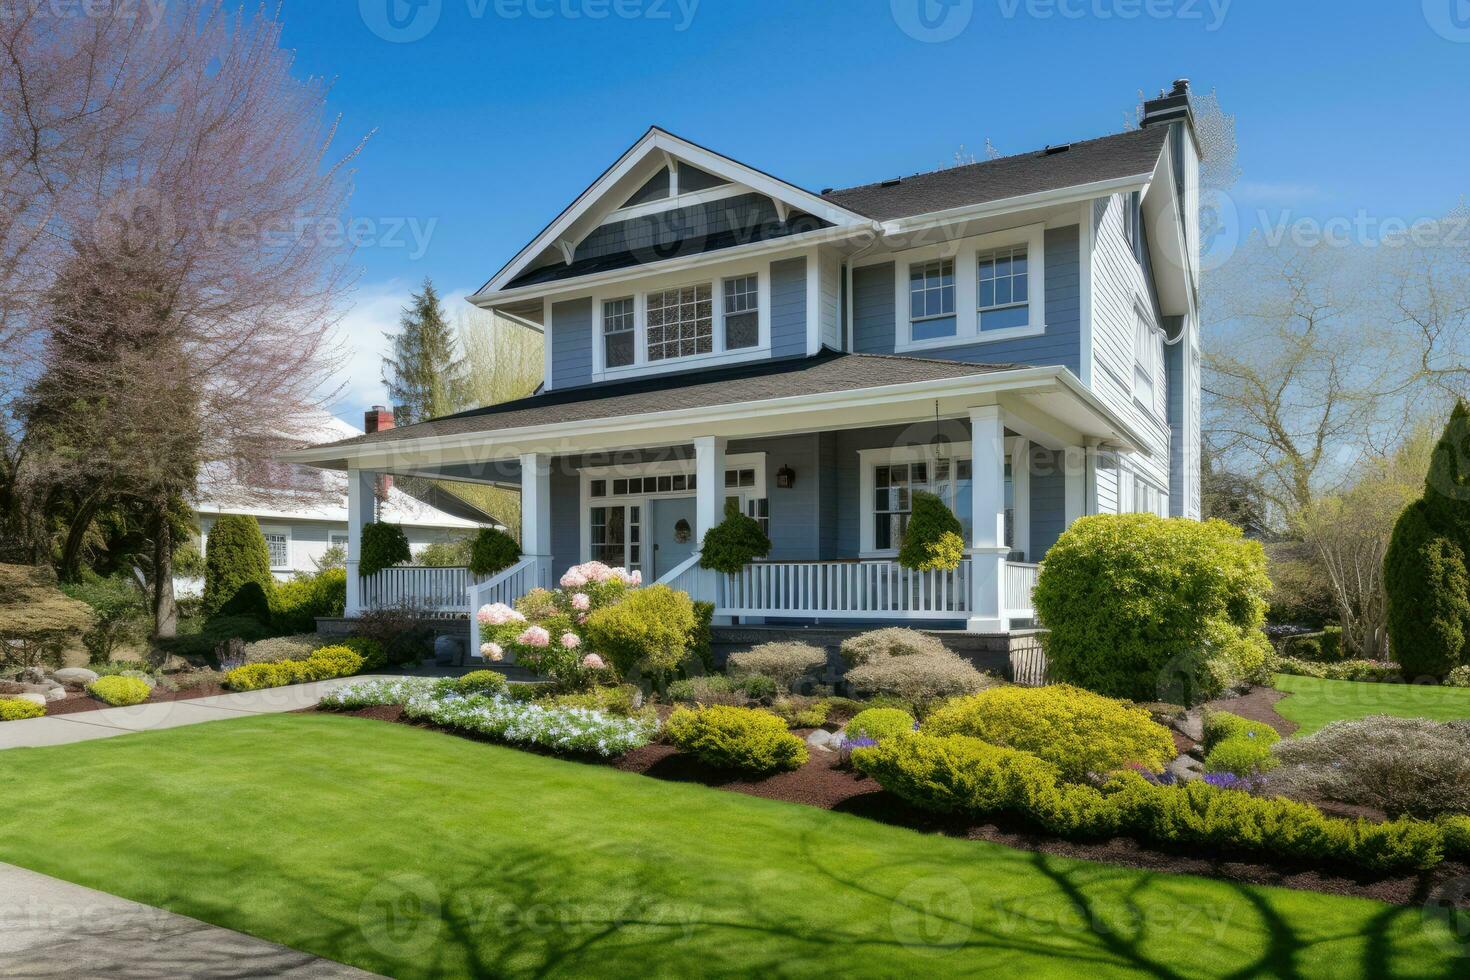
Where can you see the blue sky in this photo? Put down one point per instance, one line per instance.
(491, 115)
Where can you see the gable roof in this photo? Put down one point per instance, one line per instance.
(1121, 155)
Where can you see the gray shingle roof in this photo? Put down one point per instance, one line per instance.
(823, 373)
(1108, 157)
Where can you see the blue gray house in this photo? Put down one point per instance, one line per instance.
(1019, 336)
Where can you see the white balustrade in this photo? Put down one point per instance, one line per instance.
(505, 586)
(1020, 581)
(437, 591)
(844, 590)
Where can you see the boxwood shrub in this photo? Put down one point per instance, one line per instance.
(1150, 608)
(734, 542)
(235, 555)
(745, 739)
(324, 663)
(18, 709)
(118, 690)
(880, 723)
(492, 551)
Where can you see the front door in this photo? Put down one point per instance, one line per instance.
(673, 533)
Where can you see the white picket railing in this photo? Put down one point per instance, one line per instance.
(1020, 581)
(688, 577)
(844, 590)
(437, 591)
(506, 586)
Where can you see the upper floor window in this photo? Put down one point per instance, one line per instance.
(1132, 220)
(680, 322)
(742, 312)
(1147, 355)
(1003, 278)
(618, 325)
(931, 299)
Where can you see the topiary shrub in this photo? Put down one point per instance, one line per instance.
(1076, 730)
(933, 538)
(118, 690)
(889, 642)
(733, 543)
(19, 709)
(234, 556)
(648, 632)
(746, 739)
(383, 546)
(880, 723)
(1150, 608)
(493, 551)
(786, 663)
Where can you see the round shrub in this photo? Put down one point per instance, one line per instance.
(733, 543)
(1222, 725)
(746, 739)
(955, 773)
(889, 642)
(1077, 731)
(275, 648)
(1243, 755)
(486, 682)
(19, 709)
(119, 690)
(917, 680)
(803, 712)
(648, 632)
(1402, 766)
(236, 555)
(933, 538)
(1150, 608)
(493, 551)
(383, 546)
(1459, 677)
(786, 663)
(880, 723)
(714, 689)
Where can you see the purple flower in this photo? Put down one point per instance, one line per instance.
(1227, 780)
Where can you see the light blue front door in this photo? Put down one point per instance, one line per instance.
(672, 520)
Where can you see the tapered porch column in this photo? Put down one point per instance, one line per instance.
(988, 521)
(362, 503)
(709, 492)
(536, 507)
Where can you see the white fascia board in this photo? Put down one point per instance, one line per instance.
(1167, 241)
(1064, 195)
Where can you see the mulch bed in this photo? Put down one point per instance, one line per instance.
(78, 701)
(823, 783)
(1259, 704)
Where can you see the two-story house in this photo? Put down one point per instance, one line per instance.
(1019, 336)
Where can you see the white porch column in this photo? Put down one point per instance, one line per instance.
(362, 501)
(709, 492)
(988, 519)
(1074, 466)
(1021, 489)
(536, 506)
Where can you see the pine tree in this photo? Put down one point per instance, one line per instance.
(426, 374)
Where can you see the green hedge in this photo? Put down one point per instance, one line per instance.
(236, 556)
(744, 739)
(324, 663)
(1154, 609)
(296, 604)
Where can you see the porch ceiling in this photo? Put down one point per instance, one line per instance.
(826, 392)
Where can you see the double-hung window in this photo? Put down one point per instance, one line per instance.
(742, 313)
(618, 331)
(931, 300)
(951, 480)
(1003, 279)
(279, 549)
(1145, 359)
(681, 322)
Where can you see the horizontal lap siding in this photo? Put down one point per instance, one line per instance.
(566, 516)
(571, 343)
(788, 308)
(795, 512)
(1048, 501)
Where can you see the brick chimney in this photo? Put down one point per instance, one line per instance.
(379, 418)
(1171, 106)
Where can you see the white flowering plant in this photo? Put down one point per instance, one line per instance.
(370, 694)
(544, 630)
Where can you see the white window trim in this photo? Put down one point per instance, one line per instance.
(870, 459)
(284, 532)
(639, 289)
(965, 254)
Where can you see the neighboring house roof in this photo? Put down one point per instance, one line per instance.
(321, 495)
(1068, 165)
(826, 372)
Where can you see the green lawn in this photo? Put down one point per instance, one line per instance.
(1314, 703)
(414, 853)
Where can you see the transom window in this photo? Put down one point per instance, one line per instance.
(931, 299)
(1003, 279)
(680, 322)
(279, 550)
(742, 313)
(619, 323)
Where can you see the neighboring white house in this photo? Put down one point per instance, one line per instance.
(302, 510)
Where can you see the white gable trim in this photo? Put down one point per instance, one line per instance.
(669, 147)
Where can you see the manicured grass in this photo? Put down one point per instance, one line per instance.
(1314, 703)
(414, 853)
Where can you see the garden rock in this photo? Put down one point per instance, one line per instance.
(1186, 767)
(1192, 725)
(175, 664)
(32, 675)
(55, 694)
(32, 698)
(44, 687)
(75, 676)
(824, 740)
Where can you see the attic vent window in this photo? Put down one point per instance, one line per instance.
(1059, 148)
(892, 183)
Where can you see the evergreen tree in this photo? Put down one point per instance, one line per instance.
(1425, 569)
(426, 374)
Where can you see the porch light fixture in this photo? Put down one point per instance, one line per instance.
(785, 477)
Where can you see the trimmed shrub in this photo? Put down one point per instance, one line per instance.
(933, 538)
(1402, 766)
(276, 648)
(918, 680)
(880, 723)
(786, 663)
(295, 605)
(1075, 730)
(733, 543)
(1152, 608)
(37, 621)
(250, 600)
(324, 663)
(890, 642)
(118, 690)
(746, 739)
(383, 546)
(1222, 725)
(18, 709)
(234, 556)
(370, 650)
(648, 632)
(803, 712)
(1243, 755)
(1456, 838)
(475, 682)
(493, 551)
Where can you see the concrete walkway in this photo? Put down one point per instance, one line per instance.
(52, 928)
(83, 726)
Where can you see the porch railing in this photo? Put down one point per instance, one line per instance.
(1020, 581)
(505, 586)
(437, 591)
(844, 590)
